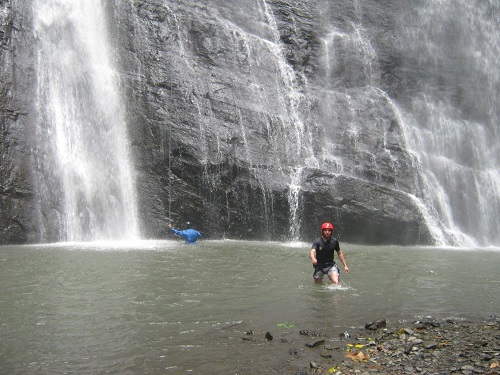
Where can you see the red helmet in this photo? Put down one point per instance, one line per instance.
(326, 226)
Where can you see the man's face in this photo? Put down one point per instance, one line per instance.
(327, 233)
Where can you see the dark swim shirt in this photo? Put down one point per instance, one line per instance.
(325, 249)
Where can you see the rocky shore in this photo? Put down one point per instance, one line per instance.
(421, 347)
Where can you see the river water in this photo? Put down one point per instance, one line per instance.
(152, 307)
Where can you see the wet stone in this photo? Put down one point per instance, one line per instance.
(430, 344)
(315, 343)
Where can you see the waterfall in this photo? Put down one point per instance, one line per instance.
(447, 111)
(387, 111)
(453, 122)
(85, 176)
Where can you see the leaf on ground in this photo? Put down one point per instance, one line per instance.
(360, 356)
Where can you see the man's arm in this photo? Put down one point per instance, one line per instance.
(342, 259)
(177, 232)
(313, 256)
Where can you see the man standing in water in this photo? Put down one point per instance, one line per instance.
(322, 252)
(189, 234)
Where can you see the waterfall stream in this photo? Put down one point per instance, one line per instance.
(453, 124)
(449, 121)
(82, 152)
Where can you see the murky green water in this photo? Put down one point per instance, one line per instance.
(161, 307)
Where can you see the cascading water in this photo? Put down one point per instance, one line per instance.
(287, 135)
(453, 123)
(83, 164)
(298, 151)
(449, 118)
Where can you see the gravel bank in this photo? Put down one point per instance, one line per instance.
(421, 347)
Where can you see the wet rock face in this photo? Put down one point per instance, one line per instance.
(249, 120)
(265, 137)
(17, 209)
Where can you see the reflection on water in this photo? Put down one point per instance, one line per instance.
(149, 306)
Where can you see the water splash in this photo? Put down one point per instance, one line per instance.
(333, 287)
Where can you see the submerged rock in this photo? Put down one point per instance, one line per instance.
(376, 324)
